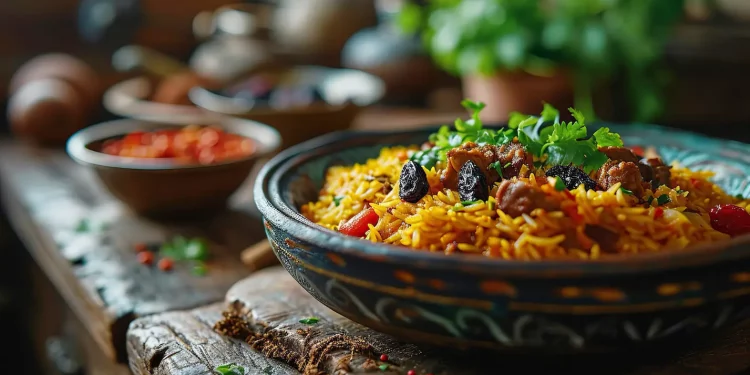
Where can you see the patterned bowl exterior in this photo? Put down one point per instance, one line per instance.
(466, 301)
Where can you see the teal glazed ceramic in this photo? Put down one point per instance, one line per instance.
(465, 301)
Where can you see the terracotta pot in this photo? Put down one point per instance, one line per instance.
(508, 92)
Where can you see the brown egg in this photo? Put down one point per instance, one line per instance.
(46, 111)
(174, 89)
(60, 66)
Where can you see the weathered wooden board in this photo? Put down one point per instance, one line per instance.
(47, 196)
(272, 305)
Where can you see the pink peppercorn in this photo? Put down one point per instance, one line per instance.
(411, 372)
(384, 357)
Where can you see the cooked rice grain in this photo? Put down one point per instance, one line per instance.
(440, 223)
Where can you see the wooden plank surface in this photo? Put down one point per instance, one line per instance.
(270, 305)
(47, 196)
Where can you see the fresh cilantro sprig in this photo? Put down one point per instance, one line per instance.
(564, 143)
(471, 130)
(553, 141)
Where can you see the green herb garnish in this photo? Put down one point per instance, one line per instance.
(337, 200)
(650, 199)
(83, 226)
(310, 320)
(545, 136)
(383, 367)
(663, 199)
(559, 184)
(469, 203)
(496, 166)
(739, 196)
(200, 269)
(181, 248)
(626, 191)
(231, 369)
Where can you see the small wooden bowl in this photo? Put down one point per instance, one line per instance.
(345, 92)
(161, 188)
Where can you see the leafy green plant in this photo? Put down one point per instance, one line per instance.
(592, 39)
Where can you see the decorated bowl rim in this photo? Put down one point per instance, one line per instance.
(269, 199)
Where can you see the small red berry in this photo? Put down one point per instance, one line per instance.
(140, 247)
(411, 372)
(165, 264)
(384, 357)
(658, 213)
(730, 219)
(145, 257)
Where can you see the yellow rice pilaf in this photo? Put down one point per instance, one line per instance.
(440, 223)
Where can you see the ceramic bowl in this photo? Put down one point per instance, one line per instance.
(465, 301)
(345, 92)
(129, 98)
(160, 187)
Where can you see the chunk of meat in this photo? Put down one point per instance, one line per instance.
(627, 155)
(481, 156)
(516, 197)
(662, 172)
(620, 153)
(624, 172)
(605, 237)
(512, 158)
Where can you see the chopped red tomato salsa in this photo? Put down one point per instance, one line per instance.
(191, 144)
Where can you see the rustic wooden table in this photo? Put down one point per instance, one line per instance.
(83, 241)
(270, 305)
(89, 283)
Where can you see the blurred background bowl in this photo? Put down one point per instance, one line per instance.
(163, 188)
(342, 94)
(133, 98)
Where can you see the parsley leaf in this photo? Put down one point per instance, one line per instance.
(469, 203)
(496, 166)
(649, 200)
(739, 196)
(383, 367)
(606, 138)
(231, 369)
(337, 200)
(311, 320)
(626, 191)
(559, 184)
(663, 199)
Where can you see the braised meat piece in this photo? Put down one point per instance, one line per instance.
(662, 173)
(627, 155)
(512, 158)
(620, 153)
(605, 237)
(624, 172)
(516, 197)
(481, 156)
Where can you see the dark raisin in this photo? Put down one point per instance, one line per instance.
(472, 183)
(413, 183)
(572, 176)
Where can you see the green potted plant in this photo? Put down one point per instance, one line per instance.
(513, 54)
